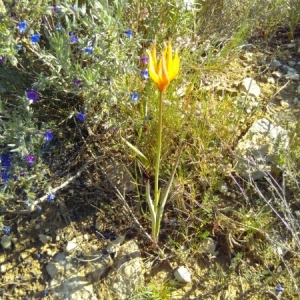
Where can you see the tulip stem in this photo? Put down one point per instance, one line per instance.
(158, 152)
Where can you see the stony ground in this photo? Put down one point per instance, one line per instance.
(87, 246)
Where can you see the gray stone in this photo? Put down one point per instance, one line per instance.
(292, 76)
(275, 64)
(260, 149)
(250, 87)
(45, 238)
(6, 242)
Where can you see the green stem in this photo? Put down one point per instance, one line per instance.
(158, 152)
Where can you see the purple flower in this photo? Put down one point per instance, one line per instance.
(144, 60)
(51, 197)
(6, 230)
(80, 117)
(55, 9)
(128, 33)
(48, 136)
(2, 59)
(134, 96)
(145, 74)
(22, 174)
(73, 38)
(35, 38)
(30, 158)
(89, 50)
(77, 82)
(32, 95)
(5, 161)
(22, 26)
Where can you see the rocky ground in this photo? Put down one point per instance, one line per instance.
(86, 245)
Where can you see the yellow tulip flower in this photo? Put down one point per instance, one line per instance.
(167, 68)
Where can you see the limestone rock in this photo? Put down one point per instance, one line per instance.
(127, 273)
(250, 87)
(260, 148)
(182, 274)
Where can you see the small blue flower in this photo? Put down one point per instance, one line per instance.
(134, 96)
(38, 255)
(128, 33)
(51, 197)
(145, 74)
(45, 293)
(80, 117)
(6, 230)
(58, 27)
(2, 59)
(32, 95)
(18, 47)
(279, 289)
(5, 161)
(4, 176)
(22, 26)
(39, 208)
(89, 50)
(35, 38)
(73, 38)
(48, 136)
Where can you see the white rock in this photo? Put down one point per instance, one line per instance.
(182, 274)
(250, 87)
(2, 269)
(271, 80)
(71, 245)
(6, 242)
(277, 74)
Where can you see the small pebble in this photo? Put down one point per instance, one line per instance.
(182, 274)
(6, 242)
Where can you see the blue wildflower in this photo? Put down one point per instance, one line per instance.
(2, 59)
(38, 255)
(128, 33)
(279, 289)
(80, 117)
(30, 158)
(18, 47)
(89, 50)
(4, 176)
(45, 293)
(73, 38)
(51, 197)
(48, 136)
(58, 27)
(6, 230)
(5, 161)
(32, 95)
(134, 96)
(22, 26)
(145, 74)
(35, 38)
